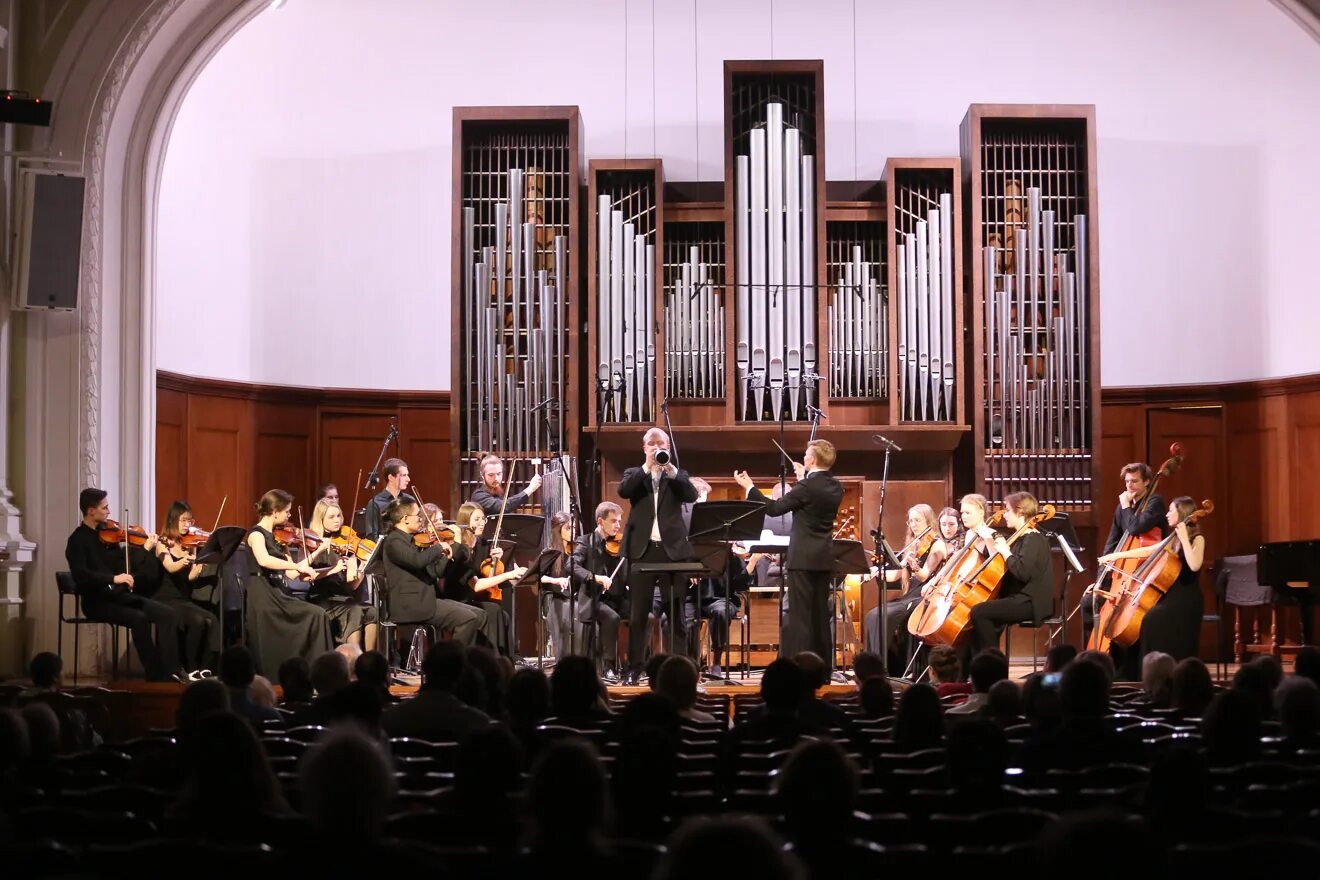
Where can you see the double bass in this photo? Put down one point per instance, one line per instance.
(981, 585)
(1102, 632)
(1131, 595)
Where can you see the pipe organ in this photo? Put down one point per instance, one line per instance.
(858, 310)
(694, 315)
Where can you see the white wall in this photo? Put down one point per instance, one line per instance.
(305, 208)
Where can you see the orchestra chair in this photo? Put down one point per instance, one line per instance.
(421, 636)
(1055, 620)
(1217, 618)
(69, 590)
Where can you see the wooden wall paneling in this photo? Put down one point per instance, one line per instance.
(220, 459)
(350, 441)
(428, 449)
(285, 452)
(171, 450)
(1255, 455)
(1303, 459)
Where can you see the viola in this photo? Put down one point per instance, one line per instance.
(490, 566)
(112, 532)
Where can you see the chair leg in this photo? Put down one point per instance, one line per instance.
(75, 648)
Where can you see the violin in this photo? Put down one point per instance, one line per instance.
(614, 545)
(288, 534)
(349, 543)
(112, 532)
(490, 567)
(192, 539)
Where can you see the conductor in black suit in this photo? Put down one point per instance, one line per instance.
(655, 533)
(814, 501)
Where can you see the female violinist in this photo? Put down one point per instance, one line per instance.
(1026, 591)
(951, 529)
(463, 582)
(178, 577)
(339, 591)
(925, 551)
(1174, 624)
(279, 624)
(554, 569)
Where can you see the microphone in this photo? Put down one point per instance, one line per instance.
(881, 440)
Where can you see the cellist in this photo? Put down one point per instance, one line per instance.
(1174, 624)
(1136, 514)
(1026, 591)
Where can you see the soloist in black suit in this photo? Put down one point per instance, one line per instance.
(654, 500)
(814, 502)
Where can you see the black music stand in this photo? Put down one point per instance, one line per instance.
(218, 550)
(849, 558)
(522, 533)
(724, 521)
(779, 550)
(532, 578)
(671, 571)
(1059, 529)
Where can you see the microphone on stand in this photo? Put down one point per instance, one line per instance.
(881, 440)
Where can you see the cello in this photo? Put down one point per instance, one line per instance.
(1104, 625)
(981, 585)
(1133, 595)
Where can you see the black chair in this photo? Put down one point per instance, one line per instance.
(1217, 618)
(69, 589)
(1055, 620)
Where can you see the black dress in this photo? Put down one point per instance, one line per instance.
(456, 584)
(196, 623)
(343, 602)
(280, 625)
(1174, 624)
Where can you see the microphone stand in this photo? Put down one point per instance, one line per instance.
(878, 534)
(373, 478)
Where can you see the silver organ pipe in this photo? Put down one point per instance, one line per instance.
(625, 284)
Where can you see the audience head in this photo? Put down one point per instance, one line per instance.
(330, 673)
(1231, 728)
(43, 732)
(482, 659)
(867, 664)
(1040, 701)
(443, 667)
(237, 668)
(1059, 656)
(1298, 702)
(198, 700)
(919, 722)
(490, 765)
(230, 775)
(1003, 703)
(1307, 663)
(45, 669)
(1191, 687)
(347, 785)
(987, 668)
(818, 674)
(783, 685)
(1084, 689)
(568, 797)
(877, 697)
(652, 668)
(1272, 668)
(527, 700)
(1255, 683)
(1157, 676)
(700, 847)
(944, 665)
(262, 692)
(817, 790)
(296, 680)
(677, 682)
(1105, 662)
(574, 687)
(977, 754)
(373, 669)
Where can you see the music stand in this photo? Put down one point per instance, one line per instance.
(849, 558)
(779, 550)
(522, 532)
(725, 521)
(217, 550)
(535, 572)
(1059, 528)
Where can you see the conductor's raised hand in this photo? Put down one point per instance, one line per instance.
(743, 480)
(799, 470)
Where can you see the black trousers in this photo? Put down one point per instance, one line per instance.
(642, 585)
(807, 627)
(989, 618)
(159, 653)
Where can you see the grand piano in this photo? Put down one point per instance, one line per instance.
(1292, 568)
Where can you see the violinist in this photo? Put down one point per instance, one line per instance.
(463, 581)
(1174, 624)
(339, 591)
(179, 577)
(397, 480)
(490, 494)
(553, 569)
(925, 552)
(105, 590)
(279, 624)
(1026, 591)
(951, 529)
(410, 573)
(1136, 514)
(601, 575)
(328, 492)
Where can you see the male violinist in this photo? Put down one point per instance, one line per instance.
(656, 491)
(489, 496)
(814, 501)
(396, 481)
(1135, 515)
(410, 573)
(105, 591)
(601, 576)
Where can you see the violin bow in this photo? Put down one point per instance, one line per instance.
(357, 487)
(219, 512)
(302, 533)
(127, 569)
(425, 513)
(495, 541)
